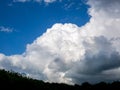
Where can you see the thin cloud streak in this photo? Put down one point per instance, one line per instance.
(38, 1)
(6, 29)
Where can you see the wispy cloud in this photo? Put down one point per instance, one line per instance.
(21, 1)
(6, 29)
(72, 5)
(49, 1)
(67, 6)
(38, 1)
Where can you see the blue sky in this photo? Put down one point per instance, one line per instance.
(22, 22)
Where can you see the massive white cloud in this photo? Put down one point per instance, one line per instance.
(71, 54)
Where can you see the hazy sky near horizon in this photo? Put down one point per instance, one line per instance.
(63, 41)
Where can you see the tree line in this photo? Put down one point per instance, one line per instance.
(15, 81)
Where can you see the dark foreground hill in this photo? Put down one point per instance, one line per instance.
(15, 81)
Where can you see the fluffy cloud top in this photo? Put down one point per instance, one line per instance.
(71, 54)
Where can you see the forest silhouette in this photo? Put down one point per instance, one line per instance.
(15, 81)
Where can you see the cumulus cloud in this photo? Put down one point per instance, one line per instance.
(5, 29)
(71, 54)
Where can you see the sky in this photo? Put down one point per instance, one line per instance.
(22, 21)
(63, 41)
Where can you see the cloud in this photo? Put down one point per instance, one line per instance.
(71, 54)
(22, 1)
(5, 29)
(68, 6)
(39, 1)
(100, 57)
(49, 1)
(73, 5)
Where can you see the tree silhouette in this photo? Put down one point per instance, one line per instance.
(14, 81)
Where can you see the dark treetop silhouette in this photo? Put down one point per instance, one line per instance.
(15, 81)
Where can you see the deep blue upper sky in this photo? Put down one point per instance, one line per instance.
(29, 20)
